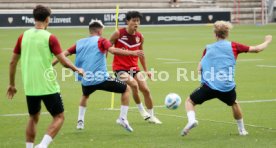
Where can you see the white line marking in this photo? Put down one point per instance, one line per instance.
(241, 102)
(24, 114)
(209, 120)
(225, 122)
(257, 101)
(249, 60)
(267, 66)
(185, 62)
(165, 59)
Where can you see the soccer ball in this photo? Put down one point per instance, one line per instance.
(172, 101)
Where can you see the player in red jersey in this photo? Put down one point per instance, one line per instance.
(126, 67)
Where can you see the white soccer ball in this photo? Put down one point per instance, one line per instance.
(172, 101)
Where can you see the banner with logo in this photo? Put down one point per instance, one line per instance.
(83, 19)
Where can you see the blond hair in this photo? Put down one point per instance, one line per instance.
(222, 28)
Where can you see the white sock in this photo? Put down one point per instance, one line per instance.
(82, 110)
(123, 113)
(140, 106)
(191, 116)
(240, 123)
(46, 140)
(29, 145)
(150, 111)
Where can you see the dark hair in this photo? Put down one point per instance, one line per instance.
(95, 25)
(41, 12)
(133, 14)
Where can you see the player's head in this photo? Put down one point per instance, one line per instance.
(42, 14)
(133, 19)
(222, 29)
(96, 27)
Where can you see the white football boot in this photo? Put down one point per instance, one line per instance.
(188, 127)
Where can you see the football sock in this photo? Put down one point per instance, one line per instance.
(81, 113)
(150, 111)
(123, 113)
(240, 123)
(140, 107)
(191, 116)
(46, 140)
(29, 145)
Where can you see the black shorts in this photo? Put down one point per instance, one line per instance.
(53, 103)
(130, 72)
(204, 93)
(111, 85)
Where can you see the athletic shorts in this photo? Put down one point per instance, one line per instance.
(52, 102)
(111, 85)
(130, 72)
(205, 93)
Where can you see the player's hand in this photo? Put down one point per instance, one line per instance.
(80, 71)
(55, 61)
(11, 91)
(149, 74)
(268, 38)
(139, 53)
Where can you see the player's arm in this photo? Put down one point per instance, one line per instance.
(119, 51)
(199, 68)
(13, 64)
(56, 50)
(68, 52)
(262, 46)
(114, 37)
(105, 45)
(143, 60)
(68, 64)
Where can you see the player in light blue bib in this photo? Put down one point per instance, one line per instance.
(217, 69)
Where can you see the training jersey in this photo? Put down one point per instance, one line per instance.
(36, 48)
(91, 57)
(127, 41)
(218, 64)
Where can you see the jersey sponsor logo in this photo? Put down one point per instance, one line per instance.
(124, 38)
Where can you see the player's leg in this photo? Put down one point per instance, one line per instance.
(122, 120)
(147, 97)
(127, 78)
(237, 113)
(34, 106)
(229, 98)
(54, 105)
(82, 110)
(200, 95)
(117, 86)
(86, 90)
(192, 122)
